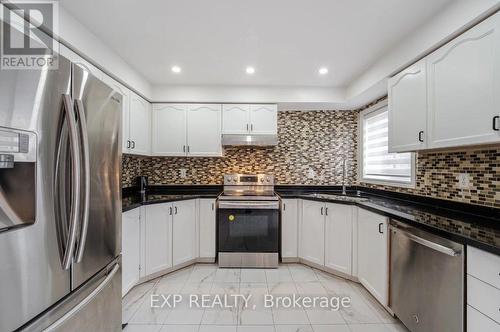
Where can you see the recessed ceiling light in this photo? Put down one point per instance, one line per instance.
(176, 69)
(250, 70)
(323, 71)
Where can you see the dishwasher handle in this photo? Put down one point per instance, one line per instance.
(427, 243)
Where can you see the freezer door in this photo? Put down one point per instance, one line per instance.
(95, 306)
(31, 273)
(99, 116)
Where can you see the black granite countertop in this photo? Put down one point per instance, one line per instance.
(464, 223)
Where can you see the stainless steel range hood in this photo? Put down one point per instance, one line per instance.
(249, 140)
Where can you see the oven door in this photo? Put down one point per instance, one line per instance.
(249, 226)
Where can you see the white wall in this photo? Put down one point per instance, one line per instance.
(302, 97)
(83, 41)
(459, 15)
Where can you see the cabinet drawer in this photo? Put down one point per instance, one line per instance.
(484, 266)
(484, 298)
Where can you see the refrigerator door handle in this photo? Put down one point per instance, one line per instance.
(76, 181)
(85, 301)
(85, 159)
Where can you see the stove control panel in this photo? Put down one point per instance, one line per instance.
(249, 179)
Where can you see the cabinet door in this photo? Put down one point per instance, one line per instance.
(207, 235)
(140, 125)
(130, 249)
(184, 232)
(289, 228)
(204, 130)
(264, 119)
(125, 93)
(158, 246)
(169, 130)
(464, 85)
(408, 109)
(477, 322)
(338, 237)
(312, 241)
(235, 119)
(373, 254)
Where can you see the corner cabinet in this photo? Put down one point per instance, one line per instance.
(186, 130)
(158, 237)
(450, 98)
(373, 254)
(464, 85)
(245, 119)
(408, 109)
(338, 237)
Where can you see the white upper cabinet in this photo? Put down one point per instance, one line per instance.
(125, 93)
(464, 85)
(169, 130)
(312, 241)
(140, 125)
(245, 119)
(204, 130)
(408, 109)
(289, 228)
(338, 237)
(373, 254)
(263, 119)
(184, 240)
(186, 130)
(158, 239)
(235, 119)
(207, 227)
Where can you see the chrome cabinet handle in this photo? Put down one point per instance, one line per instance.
(326, 211)
(85, 158)
(128, 144)
(421, 136)
(284, 206)
(213, 206)
(321, 210)
(495, 121)
(183, 148)
(251, 127)
(188, 148)
(247, 126)
(380, 230)
(170, 210)
(76, 181)
(175, 208)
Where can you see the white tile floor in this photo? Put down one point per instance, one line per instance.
(364, 315)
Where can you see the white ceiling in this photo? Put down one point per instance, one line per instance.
(287, 41)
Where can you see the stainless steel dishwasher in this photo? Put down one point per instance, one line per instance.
(427, 280)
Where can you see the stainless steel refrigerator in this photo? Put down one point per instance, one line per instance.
(60, 201)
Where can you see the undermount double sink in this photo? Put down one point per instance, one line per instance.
(339, 197)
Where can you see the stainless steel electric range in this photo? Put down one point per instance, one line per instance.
(248, 221)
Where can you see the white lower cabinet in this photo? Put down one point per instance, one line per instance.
(373, 254)
(206, 218)
(338, 237)
(477, 322)
(184, 240)
(312, 241)
(289, 228)
(131, 226)
(158, 238)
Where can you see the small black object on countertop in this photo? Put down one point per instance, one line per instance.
(471, 224)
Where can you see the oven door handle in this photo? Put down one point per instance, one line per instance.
(249, 205)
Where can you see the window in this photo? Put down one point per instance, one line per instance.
(378, 165)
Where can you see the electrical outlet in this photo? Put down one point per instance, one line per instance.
(183, 172)
(464, 181)
(311, 173)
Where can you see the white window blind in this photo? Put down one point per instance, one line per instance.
(378, 163)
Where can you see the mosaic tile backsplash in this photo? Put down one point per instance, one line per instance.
(319, 140)
(316, 141)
